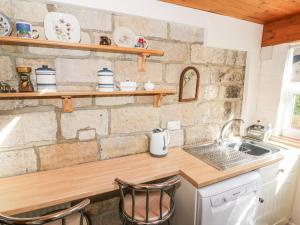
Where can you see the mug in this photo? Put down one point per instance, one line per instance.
(140, 42)
(24, 30)
(105, 40)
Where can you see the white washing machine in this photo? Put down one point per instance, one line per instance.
(230, 202)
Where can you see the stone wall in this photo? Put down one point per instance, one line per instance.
(36, 135)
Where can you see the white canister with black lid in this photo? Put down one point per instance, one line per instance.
(105, 80)
(45, 79)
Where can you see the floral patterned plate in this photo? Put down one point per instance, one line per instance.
(62, 27)
(124, 37)
(5, 25)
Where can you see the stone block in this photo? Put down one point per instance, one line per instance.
(51, 102)
(90, 19)
(173, 73)
(6, 71)
(231, 91)
(13, 49)
(186, 33)
(80, 87)
(233, 75)
(174, 51)
(170, 113)
(79, 70)
(25, 129)
(241, 58)
(29, 11)
(84, 119)
(177, 138)
(210, 92)
(68, 154)
(216, 111)
(134, 119)
(120, 146)
(6, 7)
(111, 101)
(202, 133)
(128, 70)
(109, 218)
(82, 102)
(190, 113)
(231, 57)
(142, 26)
(218, 72)
(85, 135)
(18, 104)
(202, 54)
(17, 162)
(232, 109)
(103, 207)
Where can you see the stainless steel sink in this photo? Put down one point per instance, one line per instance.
(232, 153)
(254, 148)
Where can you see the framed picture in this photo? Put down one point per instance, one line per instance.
(189, 84)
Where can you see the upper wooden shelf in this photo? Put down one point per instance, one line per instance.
(142, 53)
(67, 96)
(77, 46)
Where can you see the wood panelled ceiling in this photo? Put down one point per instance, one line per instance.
(258, 11)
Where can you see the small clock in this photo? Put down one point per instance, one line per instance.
(5, 25)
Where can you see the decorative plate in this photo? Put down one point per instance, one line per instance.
(5, 25)
(124, 37)
(62, 27)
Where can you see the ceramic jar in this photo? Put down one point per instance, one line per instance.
(25, 84)
(45, 79)
(106, 80)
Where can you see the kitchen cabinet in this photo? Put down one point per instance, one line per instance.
(279, 182)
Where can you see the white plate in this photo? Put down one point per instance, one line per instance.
(62, 27)
(124, 37)
(5, 25)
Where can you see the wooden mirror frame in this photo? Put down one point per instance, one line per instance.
(181, 99)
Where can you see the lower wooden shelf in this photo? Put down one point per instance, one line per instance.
(67, 96)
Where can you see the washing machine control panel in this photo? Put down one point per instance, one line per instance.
(233, 194)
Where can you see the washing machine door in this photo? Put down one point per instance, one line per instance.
(228, 209)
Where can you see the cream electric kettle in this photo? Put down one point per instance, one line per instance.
(160, 140)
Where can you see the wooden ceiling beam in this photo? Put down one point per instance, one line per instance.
(282, 31)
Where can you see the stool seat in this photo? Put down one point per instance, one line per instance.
(140, 205)
(147, 204)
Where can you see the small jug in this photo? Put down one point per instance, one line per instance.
(105, 40)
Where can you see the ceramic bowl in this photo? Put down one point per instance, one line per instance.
(128, 86)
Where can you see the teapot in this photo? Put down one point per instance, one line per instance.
(160, 140)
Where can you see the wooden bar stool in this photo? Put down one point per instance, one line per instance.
(71, 216)
(147, 204)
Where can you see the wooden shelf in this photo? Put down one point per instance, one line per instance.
(142, 53)
(67, 96)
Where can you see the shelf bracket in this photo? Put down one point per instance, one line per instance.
(67, 104)
(142, 61)
(157, 100)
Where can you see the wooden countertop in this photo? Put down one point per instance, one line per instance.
(33, 191)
